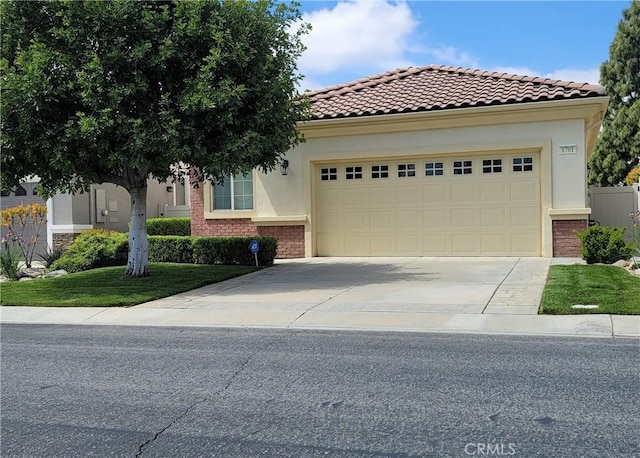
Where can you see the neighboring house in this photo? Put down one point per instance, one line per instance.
(431, 161)
(105, 206)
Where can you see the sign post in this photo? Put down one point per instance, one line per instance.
(254, 246)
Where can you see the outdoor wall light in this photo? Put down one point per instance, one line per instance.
(169, 188)
(284, 167)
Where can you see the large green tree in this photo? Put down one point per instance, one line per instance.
(120, 91)
(617, 149)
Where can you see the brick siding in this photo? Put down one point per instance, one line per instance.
(290, 238)
(565, 242)
(63, 240)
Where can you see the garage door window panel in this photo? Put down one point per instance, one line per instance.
(492, 166)
(379, 171)
(462, 167)
(329, 174)
(432, 169)
(354, 173)
(523, 164)
(406, 170)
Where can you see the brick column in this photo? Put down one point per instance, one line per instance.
(63, 240)
(290, 240)
(565, 243)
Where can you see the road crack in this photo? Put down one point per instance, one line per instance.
(173, 422)
(237, 372)
(188, 409)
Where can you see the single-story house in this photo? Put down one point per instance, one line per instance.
(430, 161)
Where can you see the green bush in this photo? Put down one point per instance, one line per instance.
(10, 260)
(100, 248)
(170, 248)
(93, 249)
(233, 250)
(601, 244)
(169, 226)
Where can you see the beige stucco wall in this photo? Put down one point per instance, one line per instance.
(118, 203)
(563, 178)
(279, 195)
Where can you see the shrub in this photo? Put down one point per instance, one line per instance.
(100, 248)
(635, 243)
(633, 176)
(211, 250)
(18, 220)
(93, 249)
(9, 259)
(601, 244)
(233, 250)
(51, 256)
(170, 248)
(169, 226)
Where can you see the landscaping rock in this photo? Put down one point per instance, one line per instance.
(621, 263)
(55, 273)
(32, 273)
(26, 279)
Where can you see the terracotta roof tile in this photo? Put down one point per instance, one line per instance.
(438, 87)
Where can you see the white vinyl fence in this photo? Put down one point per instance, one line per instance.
(611, 206)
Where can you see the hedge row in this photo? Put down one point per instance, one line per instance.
(211, 250)
(169, 226)
(100, 248)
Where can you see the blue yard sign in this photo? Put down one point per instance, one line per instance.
(254, 246)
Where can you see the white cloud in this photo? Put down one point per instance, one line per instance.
(449, 55)
(356, 38)
(590, 75)
(358, 33)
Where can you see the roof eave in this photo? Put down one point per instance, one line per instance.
(591, 109)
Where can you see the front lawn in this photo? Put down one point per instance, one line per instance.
(609, 287)
(106, 287)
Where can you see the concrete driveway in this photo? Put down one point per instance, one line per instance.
(413, 284)
(477, 295)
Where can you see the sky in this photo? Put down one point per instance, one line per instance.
(352, 39)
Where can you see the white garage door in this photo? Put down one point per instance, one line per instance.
(477, 205)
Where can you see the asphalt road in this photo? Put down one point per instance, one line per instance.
(79, 391)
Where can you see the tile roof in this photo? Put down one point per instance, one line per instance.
(438, 87)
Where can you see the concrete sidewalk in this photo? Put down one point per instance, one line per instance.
(471, 295)
(541, 325)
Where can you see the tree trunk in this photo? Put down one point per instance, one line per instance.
(138, 263)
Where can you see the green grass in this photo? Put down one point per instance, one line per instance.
(609, 287)
(106, 287)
